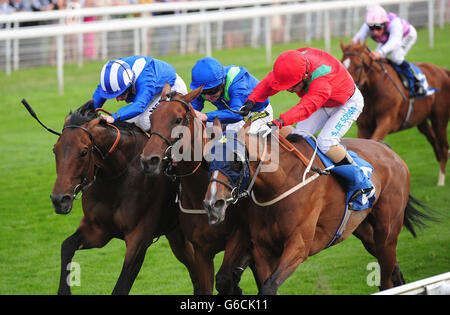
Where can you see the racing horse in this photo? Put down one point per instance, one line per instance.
(101, 160)
(232, 236)
(291, 219)
(387, 108)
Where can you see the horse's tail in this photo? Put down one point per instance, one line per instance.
(414, 217)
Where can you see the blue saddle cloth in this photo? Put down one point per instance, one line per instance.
(356, 178)
(420, 76)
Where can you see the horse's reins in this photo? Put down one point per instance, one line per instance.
(167, 156)
(288, 147)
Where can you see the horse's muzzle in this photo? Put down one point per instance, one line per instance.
(151, 165)
(62, 203)
(215, 209)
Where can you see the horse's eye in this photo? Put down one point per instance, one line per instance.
(236, 166)
(178, 121)
(83, 153)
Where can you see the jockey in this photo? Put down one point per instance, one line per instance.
(329, 101)
(226, 87)
(395, 37)
(137, 80)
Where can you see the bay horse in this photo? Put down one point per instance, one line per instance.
(291, 219)
(387, 108)
(118, 200)
(232, 236)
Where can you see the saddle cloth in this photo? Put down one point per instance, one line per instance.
(420, 76)
(359, 182)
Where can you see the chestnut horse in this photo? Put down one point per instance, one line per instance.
(157, 157)
(102, 161)
(387, 108)
(291, 219)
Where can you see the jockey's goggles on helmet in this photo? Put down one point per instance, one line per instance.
(375, 26)
(213, 90)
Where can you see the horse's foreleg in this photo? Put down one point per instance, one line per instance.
(384, 126)
(293, 254)
(137, 246)
(204, 264)
(236, 259)
(68, 248)
(184, 252)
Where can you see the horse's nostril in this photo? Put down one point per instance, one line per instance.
(66, 198)
(154, 160)
(219, 204)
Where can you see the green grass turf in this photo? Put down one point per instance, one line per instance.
(31, 233)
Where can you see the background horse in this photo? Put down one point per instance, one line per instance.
(386, 104)
(231, 236)
(102, 160)
(287, 230)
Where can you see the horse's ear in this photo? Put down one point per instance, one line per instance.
(342, 45)
(166, 90)
(365, 44)
(217, 123)
(66, 121)
(193, 94)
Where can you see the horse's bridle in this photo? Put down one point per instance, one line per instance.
(167, 155)
(359, 68)
(85, 183)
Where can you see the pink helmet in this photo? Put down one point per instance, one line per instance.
(376, 15)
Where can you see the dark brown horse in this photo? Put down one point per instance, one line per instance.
(232, 236)
(290, 224)
(387, 108)
(119, 201)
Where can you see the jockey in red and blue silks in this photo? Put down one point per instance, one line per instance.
(137, 80)
(395, 37)
(330, 101)
(226, 87)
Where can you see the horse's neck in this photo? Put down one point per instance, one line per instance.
(280, 169)
(127, 150)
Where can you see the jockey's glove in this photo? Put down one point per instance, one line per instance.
(271, 126)
(246, 108)
(278, 123)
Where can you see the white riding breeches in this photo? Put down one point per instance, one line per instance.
(257, 122)
(334, 122)
(143, 120)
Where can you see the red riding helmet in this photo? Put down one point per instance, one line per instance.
(288, 70)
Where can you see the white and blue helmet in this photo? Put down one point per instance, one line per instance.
(115, 78)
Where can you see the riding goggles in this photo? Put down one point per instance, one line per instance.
(375, 26)
(213, 90)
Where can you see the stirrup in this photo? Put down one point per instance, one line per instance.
(359, 192)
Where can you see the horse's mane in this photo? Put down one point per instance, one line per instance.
(294, 137)
(83, 114)
(86, 113)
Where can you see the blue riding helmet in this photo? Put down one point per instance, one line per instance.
(208, 72)
(115, 78)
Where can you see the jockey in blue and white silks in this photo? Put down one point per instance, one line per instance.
(138, 80)
(227, 86)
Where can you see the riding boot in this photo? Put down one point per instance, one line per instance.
(353, 176)
(415, 86)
